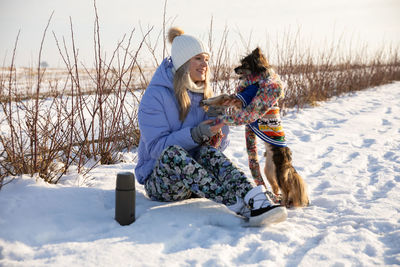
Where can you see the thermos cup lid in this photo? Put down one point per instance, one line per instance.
(125, 181)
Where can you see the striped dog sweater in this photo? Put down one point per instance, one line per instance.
(259, 96)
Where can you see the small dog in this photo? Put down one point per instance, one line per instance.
(260, 112)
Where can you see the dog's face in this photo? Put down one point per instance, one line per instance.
(254, 63)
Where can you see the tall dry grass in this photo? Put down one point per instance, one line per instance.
(312, 77)
(84, 116)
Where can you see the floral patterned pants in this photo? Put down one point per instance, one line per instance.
(210, 174)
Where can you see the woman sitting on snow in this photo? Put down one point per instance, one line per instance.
(180, 150)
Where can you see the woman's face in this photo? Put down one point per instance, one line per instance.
(198, 66)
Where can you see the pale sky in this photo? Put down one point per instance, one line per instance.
(374, 22)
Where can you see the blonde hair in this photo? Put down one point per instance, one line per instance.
(182, 81)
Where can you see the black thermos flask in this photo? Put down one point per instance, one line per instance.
(125, 198)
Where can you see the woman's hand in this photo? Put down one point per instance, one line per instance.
(215, 125)
(205, 130)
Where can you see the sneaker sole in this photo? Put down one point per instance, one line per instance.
(275, 215)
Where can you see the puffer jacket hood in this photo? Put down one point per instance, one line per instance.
(163, 76)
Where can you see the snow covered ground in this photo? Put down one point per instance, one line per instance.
(347, 150)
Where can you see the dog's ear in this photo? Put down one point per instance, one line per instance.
(256, 52)
(260, 62)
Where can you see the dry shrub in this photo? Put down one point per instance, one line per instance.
(56, 126)
(312, 77)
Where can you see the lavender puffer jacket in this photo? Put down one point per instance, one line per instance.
(159, 123)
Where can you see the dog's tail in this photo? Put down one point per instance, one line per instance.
(302, 199)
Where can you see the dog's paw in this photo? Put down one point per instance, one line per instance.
(216, 101)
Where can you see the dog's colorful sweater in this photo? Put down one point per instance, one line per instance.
(259, 95)
(260, 113)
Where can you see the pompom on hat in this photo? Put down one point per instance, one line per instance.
(184, 47)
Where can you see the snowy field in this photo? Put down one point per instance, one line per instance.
(347, 150)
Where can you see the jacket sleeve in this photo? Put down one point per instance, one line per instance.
(267, 96)
(155, 128)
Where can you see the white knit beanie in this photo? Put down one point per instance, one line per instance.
(184, 47)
